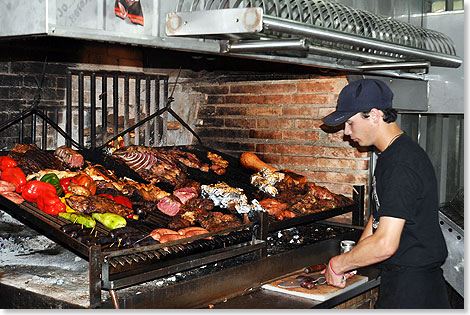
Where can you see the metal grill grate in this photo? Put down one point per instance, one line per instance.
(104, 103)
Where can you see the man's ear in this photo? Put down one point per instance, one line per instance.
(375, 115)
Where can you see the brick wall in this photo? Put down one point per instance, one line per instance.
(18, 90)
(280, 120)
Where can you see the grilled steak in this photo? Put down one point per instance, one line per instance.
(185, 194)
(170, 205)
(151, 164)
(69, 156)
(99, 204)
(31, 159)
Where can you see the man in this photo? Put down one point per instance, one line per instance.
(403, 231)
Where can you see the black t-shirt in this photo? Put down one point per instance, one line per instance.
(405, 187)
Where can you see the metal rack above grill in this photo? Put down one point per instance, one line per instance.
(352, 38)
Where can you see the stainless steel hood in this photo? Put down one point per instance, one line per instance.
(319, 33)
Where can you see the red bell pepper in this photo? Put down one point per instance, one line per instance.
(65, 183)
(15, 176)
(107, 196)
(123, 201)
(87, 182)
(6, 162)
(50, 203)
(33, 189)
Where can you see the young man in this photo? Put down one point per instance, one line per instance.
(403, 231)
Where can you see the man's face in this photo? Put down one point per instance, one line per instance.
(360, 129)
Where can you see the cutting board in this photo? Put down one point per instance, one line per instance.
(321, 292)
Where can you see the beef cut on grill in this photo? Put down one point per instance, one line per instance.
(31, 159)
(151, 164)
(84, 204)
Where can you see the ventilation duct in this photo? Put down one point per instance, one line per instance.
(320, 32)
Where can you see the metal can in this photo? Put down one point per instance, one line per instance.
(346, 246)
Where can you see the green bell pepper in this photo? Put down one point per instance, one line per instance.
(54, 180)
(82, 219)
(110, 220)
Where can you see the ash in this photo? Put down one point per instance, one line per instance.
(295, 237)
(23, 246)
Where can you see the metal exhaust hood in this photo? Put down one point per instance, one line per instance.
(315, 33)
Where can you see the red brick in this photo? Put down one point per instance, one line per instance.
(337, 137)
(342, 163)
(240, 123)
(301, 111)
(263, 88)
(274, 123)
(301, 135)
(312, 99)
(215, 99)
(356, 178)
(308, 123)
(264, 134)
(274, 99)
(231, 111)
(241, 99)
(263, 111)
(317, 86)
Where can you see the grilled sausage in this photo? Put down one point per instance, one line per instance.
(191, 228)
(6, 186)
(12, 196)
(194, 233)
(170, 237)
(158, 233)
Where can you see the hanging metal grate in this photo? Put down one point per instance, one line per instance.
(328, 28)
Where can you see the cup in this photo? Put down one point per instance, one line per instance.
(346, 246)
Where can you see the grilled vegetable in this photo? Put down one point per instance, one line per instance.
(15, 176)
(110, 220)
(6, 162)
(52, 178)
(33, 189)
(81, 219)
(65, 183)
(87, 182)
(67, 208)
(50, 203)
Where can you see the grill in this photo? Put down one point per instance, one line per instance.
(113, 267)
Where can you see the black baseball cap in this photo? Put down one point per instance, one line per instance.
(359, 96)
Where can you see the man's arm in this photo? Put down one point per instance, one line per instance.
(368, 229)
(370, 249)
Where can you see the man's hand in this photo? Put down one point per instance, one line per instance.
(333, 278)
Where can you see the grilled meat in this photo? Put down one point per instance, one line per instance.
(90, 204)
(170, 205)
(189, 183)
(69, 156)
(151, 164)
(177, 222)
(31, 159)
(218, 163)
(12, 196)
(184, 194)
(215, 221)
